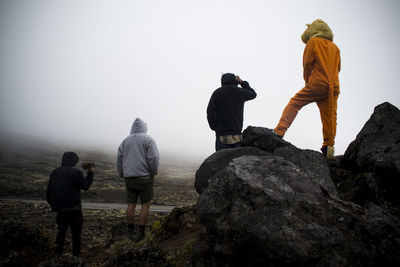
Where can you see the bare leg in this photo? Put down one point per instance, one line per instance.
(130, 213)
(144, 213)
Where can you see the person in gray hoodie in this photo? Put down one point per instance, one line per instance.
(137, 162)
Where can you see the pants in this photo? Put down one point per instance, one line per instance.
(73, 219)
(328, 111)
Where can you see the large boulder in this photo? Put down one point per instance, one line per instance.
(377, 146)
(263, 138)
(311, 162)
(218, 161)
(374, 159)
(267, 211)
(262, 141)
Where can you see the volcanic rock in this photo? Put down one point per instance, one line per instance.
(218, 161)
(268, 211)
(373, 160)
(311, 162)
(377, 146)
(263, 138)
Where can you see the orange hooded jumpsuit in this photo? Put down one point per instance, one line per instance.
(321, 63)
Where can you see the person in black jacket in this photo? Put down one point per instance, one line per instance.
(225, 110)
(63, 195)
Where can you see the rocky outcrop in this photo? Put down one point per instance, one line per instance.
(272, 204)
(372, 160)
(264, 210)
(308, 161)
(263, 138)
(377, 146)
(217, 162)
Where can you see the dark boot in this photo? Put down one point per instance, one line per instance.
(328, 151)
(139, 233)
(132, 231)
(323, 150)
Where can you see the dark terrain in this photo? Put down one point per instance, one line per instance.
(267, 203)
(24, 173)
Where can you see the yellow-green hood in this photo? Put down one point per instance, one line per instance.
(318, 28)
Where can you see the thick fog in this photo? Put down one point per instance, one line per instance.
(79, 72)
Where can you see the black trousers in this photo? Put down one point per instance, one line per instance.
(74, 220)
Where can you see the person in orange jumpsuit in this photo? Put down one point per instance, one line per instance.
(321, 64)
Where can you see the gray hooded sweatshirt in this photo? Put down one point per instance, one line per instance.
(138, 154)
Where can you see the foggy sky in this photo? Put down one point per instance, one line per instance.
(80, 71)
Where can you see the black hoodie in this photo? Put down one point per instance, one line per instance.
(63, 189)
(225, 109)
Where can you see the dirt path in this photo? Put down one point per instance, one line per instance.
(97, 205)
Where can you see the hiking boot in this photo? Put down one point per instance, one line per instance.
(328, 151)
(139, 233)
(132, 231)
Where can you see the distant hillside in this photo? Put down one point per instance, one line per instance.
(25, 165)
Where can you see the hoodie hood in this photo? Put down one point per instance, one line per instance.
(228, 78)
(69, 159)
(139, 126)
(318, 28)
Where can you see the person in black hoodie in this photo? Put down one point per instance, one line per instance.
(225, 110)
(63, 195)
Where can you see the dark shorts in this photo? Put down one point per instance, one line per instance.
(139, 187)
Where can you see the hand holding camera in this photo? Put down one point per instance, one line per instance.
(88, 166)
(240, 81)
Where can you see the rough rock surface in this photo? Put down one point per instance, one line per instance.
(312, 163)
(280, 206)
(377, 146)
(309, 161)
(263, 138)
(369, 171)
(217, 162)
(265, 210)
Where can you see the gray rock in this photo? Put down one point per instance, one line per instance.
(312, 163)
(217, 162)
(377, 149)
(263, 138)
(377, 146)
(268, 211)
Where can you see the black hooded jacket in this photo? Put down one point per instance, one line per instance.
(225, 109)
(63, 189)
